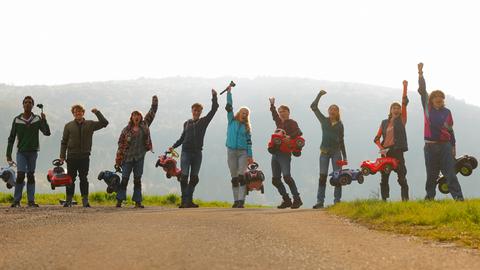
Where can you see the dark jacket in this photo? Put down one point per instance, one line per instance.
(27, 134)
(77, 138)
(194, 131)
(400, 134)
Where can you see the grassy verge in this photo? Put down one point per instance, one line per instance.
(444, 220)
(103, 198)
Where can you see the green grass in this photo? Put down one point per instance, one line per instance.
(444, 220)
(103, 198)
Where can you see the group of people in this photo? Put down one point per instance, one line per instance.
(135, 141)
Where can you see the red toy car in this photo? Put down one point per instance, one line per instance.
(168, 162)
(385, 164)
(278, 143)
(255, 178)
(57, 176)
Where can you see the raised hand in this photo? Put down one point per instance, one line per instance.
(155, 100)
(214, 93)
(42, 115)
(322, 92)
(94, 110)
(420, 67)
(405, 84)
(272, 100)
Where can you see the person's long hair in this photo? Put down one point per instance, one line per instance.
(338, 109)
(130, 122)
(248, 127)
(434, 94)
(395, 104)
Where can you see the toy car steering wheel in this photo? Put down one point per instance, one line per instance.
(253, 166)
(173, 153)
(57, 162)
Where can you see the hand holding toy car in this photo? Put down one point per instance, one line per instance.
(250, 160)
(229, 87)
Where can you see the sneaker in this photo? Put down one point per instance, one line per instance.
(318, 206)
(32, 204)
(191, 204)
(139, 205)
(297, 202)
(119, 204)
(15, 204)
(235, 204)
(67, 204)
(241, 204)
(285, 204)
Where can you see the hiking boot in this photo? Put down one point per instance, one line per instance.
(235, 204)
(139, 205)
(191, 204)
(119, 204)
(318, 205)
(32, 204)
(15, 204)
(297, 202)
(285, 204)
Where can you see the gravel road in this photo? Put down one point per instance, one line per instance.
(52, 237)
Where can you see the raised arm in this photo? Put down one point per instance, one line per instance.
(229, 107)
(274, 112)
(214, 108)
(102, 121)
(153, 110)
(404, 102)
(314, 106)
(11, 141)
(422, 87)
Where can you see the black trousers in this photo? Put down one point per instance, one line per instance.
(401, 173)
(80, 167)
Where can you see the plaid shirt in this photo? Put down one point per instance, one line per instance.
(127, 134)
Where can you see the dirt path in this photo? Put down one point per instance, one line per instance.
(160, 238)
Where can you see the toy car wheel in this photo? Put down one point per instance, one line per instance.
(48, 178)
(443, 186)
(262, 190)
(9, 186)
(168, 176)
(300, 143)
(360, 179)
(110, 190)
(53, 187)
(387, 169)
(296, 154)
(345, 179)
(365, 171)
(466, 169)
(473, 161)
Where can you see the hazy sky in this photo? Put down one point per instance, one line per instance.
(376, 42)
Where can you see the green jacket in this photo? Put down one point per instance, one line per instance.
(27, 134)
(77, 138)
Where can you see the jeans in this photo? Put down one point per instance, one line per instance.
(325, 159)
(190, 164)
(237, 163)
(135, 166)
(401, 173)
(26, 163)
(439, 158)
(78, 166)
(281, 165)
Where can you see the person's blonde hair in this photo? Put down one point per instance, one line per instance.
(248, 127)
(434, 94)
(77, 106)
(338, 109)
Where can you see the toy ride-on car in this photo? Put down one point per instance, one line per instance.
(168, 161)
(254, 178)
(463, 165)
(385, 164)
(7, 174)
(57, 176)
(112, 179)
(345, 177)
(278, 143)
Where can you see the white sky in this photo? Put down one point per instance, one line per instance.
(376, 42)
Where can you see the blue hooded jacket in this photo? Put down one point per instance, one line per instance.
(237, 135)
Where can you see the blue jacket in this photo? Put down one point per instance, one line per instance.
(237, 135)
